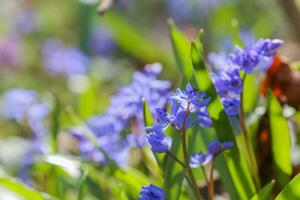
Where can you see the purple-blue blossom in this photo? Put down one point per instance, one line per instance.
(190, 98)
(159, 142)
(231, 105)
(214, 149)
(200, 159)
(101, 43)
(113, 145)
(62, 60)
(125, 110)
(248, 58)
(26, 21)
(17, 102)
(152, 192)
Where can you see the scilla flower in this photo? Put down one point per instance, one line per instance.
(190, 97)
(159, 142)
(249, 57)
(152, 192)
(214, 149)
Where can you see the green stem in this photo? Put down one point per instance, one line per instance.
(186, 157)
(251, 159)
(176, 159)
(211, 185)
(205, 176)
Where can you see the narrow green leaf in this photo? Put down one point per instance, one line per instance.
(148, 118)
(134, 40)
(55, 125)
(291, 190)
(280, 137)
(181, 48)
(251, 96)
(82, 182)
(174, 173)
(264, 193)
(23, 191)
(232, 166)
(87, 102)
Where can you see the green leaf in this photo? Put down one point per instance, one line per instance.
(135, 41)
(23, 191)
(291, 190)
(181, 48)
(148, 118)
(295, 65)
(280, 137)
(251, 96)
(232, 166)
(264, 193)
(55, 125)
(133, 180)
(87, 102)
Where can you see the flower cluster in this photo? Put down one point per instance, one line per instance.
(61, 60)
(126, 109)
(249, 57)
(227, 80)
(188, 107)
(214, 149)
(23, 106)
(152, 192)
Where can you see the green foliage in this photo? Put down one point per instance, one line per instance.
(291, 190)
(23, 191)
(265, 192)
(233, 164)
(280, 137)
(181, 49)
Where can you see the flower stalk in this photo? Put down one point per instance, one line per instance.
(186, 157)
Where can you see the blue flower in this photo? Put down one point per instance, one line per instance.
(125, 114)
(190, 97)
(227, 145)
(152, 192)
(136, 140)
(17, 102)
(268, 47)
(22, 105)
(200, 159)
(101, 42)
(61, 60)
(159, 142)
(214, 149)
(247, 59)
(231, 106)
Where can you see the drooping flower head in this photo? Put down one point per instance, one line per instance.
(200, 159)
(159, 142)
(152, 192)
(214, 149)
